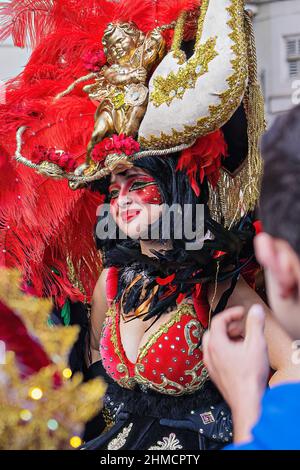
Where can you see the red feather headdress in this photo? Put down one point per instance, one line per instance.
(45, 227)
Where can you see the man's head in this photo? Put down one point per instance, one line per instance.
(278, 248)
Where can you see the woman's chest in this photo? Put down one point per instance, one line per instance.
(166, 357)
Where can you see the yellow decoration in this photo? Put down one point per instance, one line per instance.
(75, 442)
(178, 37)
(238, 194)
(35, 414)
(118, 100)
(203, 11)
(25, 415)
(67, 373)
(176, 84)
(36, 393)
(229, 100)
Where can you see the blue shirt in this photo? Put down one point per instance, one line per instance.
(279, 425)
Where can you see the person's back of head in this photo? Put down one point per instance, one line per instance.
(278, 248)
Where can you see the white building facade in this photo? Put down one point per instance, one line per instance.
(277, 28)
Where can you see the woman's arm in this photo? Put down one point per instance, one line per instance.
(98, 313)
(278, 341)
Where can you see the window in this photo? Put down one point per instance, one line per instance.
(293, 55)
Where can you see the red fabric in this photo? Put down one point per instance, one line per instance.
(112, 284)
(258, 226)
(180, 298)
(164, 281)
(168, 354)
(201, 305)
(30, 355)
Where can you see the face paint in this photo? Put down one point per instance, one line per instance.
(147, 190)
(143, 189)
(135, 202)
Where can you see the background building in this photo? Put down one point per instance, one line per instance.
(277, 26)
(12, 60)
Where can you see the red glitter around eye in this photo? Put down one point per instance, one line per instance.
(149, 194)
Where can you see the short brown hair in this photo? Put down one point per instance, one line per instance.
(280, 194)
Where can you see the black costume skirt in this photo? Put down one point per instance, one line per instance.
(142, 419)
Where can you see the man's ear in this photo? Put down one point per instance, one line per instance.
(265, 250)
(281, 261)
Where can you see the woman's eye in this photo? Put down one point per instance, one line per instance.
(140, 185)
(114, 193)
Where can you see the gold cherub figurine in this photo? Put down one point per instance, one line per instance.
(120, 88)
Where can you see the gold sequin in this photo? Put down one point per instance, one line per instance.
(176, 84)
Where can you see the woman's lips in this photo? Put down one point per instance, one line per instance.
(127, 216)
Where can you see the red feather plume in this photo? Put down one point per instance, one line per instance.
(42, 222)
(204, 158)
(27, 21)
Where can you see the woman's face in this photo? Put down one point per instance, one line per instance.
(135, 201)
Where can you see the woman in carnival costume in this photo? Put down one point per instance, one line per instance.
(167, 120)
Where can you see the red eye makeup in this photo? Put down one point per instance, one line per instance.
(144, 188)
(147, 190)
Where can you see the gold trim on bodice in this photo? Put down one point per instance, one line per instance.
(192, 329)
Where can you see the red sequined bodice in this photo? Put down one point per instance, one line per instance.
(170, 361)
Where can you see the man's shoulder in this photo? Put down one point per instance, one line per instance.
(287, 393)
(278, 426)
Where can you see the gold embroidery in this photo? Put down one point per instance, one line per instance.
(120, 440)
(109, 421)
(178, 389)
(229, 100)
(197, 332)
(184, 309)
(203, 11)
(126, 381)
(168, 443)
(177, 39)
(176, 84)
(178, 32)
(197, 380)
(165, 386)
